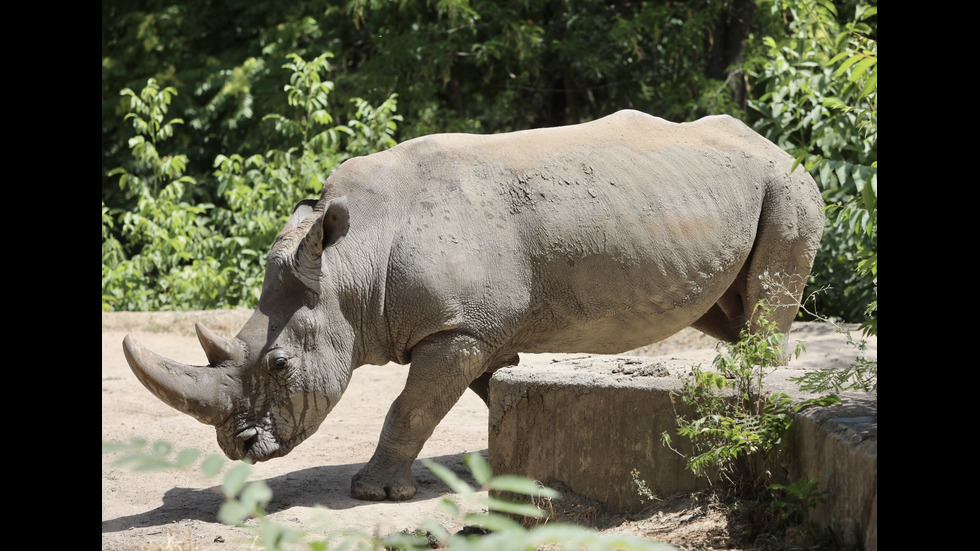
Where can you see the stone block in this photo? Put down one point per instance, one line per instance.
(589, 424)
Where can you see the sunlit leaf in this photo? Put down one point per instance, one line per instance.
(860, 70)
(479, 467)
(498, 505)
(847, 63)
(212, 465)
(455, 483)
(521, 485)
(235, 479)
(186, 458)
(256, 495)
(233, 512)
(494, 523)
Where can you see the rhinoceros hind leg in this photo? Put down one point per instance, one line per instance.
(715, 323)
(481, 385)
(772, 282)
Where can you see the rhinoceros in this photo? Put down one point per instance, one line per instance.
(455, 252)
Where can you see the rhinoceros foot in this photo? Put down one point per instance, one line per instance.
(378, 484)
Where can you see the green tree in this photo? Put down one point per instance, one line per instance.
(161, 235)
(805, 70)
(818, 98)
(496, 66)
(168, 252)
(475, 65)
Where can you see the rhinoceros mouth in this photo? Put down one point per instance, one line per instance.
(256, 444)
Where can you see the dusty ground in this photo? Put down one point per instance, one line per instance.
(177, 510)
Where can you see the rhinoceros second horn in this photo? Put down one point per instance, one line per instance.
(219, 350)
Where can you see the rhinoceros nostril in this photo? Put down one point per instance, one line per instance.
(257, 444)
(246, 440)
(249, 443)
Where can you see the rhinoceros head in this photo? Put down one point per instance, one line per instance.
(269, 388)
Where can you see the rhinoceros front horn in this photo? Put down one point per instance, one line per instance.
(203, 392)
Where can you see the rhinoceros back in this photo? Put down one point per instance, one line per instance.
(596, 237)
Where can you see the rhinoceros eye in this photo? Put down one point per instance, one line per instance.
(278, 360)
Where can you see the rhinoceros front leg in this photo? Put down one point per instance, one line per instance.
(443, 366)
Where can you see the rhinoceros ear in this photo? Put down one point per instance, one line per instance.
(336, 221)
(328, 229)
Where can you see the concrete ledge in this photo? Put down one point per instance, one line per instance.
(588, 422)
(839, 445)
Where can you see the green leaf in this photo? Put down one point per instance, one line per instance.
(186, 458)
(275, 536)
(821, 401)
(235, 479)
(161, 448)
(842, 55)
(455, 483)
(212, 465)
(134, 445)
(479, 467)
(848, 62)
(401, 540)
(437, 531)
(828, 5)
(499, 505)
(450, 507)
(494, 523)
(861, 69)
(521, 485)
(256, 495)
(870, 85)
(833, 103)
(234, 512)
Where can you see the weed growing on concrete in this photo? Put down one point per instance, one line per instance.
(641, 487)
(860, 375)
(780, 518)
(734, 426)
(794, 502)
(732, 417)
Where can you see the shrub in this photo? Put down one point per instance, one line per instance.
(817, 86)
(177, 244)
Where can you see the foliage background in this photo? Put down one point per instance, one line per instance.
(217, 115)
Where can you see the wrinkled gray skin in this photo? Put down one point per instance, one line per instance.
(456, 252)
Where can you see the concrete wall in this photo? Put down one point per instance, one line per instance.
(587, 423)
(839, 446)
(587, 428)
